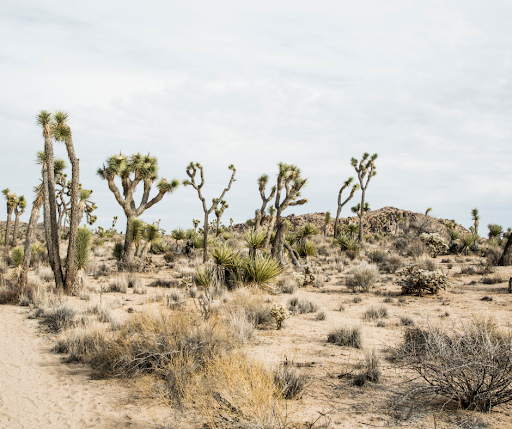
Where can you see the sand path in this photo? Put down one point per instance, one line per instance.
(38, 391)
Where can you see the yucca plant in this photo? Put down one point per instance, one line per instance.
(227, 236)
(190, 234)
(117, 252)
(306, 249)
(17, 255)
(262, 270)
(353, 229)
(454, 234)
(306, 231)
(151, 235)
(204, 277)
(198, 241)
(178, 234)
(495, 231)
(468, 240)
(346, 243)
(255, 240)
(82, 255)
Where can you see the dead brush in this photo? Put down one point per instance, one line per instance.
(349, 336)
(290, 383)
(374, 313)
(251, 305)
(371, 371)
(301, 305)
(470, 365)
(56, 318)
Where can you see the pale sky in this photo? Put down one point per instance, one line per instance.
(426, 85)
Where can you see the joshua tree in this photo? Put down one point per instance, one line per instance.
(260, 213)
(114, 221)
(87, 206)
(12, 201)
(196, 223)
(506, 252)
(327, 221)
(142, 168)
(18, 211)
(219, 211)
(360, 213)
(365, 168)
(476, 219)
(290, 180)
(346, 184)
(428, 211)
(191, 172)
(495, 231)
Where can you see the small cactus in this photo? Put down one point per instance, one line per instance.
(280, 313)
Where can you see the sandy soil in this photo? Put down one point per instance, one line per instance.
(38, 391)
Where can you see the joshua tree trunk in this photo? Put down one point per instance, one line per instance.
(361, 215)
(8, 229)
(270, 230)
(277, 250)
(31, 229)
(341, 205)
(205, 236)
(46, 217)
(54, 234)
(16, 228)
(506, 251)
(74, 219)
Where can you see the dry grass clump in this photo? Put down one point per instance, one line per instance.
(371, 373)
(46, 275)
(374, 313)
(349, 336)
(252, 306)
(175, 299)
(470, 365)
(290, 383)
(492, 280)
(193, 364)
(301, 305)
(377, 256)
(363, 277)
(57, 318)
(392, 263)
(426, 263)
(118, 284)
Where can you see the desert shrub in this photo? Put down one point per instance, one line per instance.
(56, 318)
(290, 383)
(426, 263)
(467, 270)
(288, 286)
(357, 299)
(416, 249)
(392, 263)
(118, 284)
(388, 299)
(46, 275)
(175, 299)
(400, 244)
(279, 313)
(301, 305)
(407, 321)
(371, 371)
(321, 315)
(252, 306)
(373, 313)
(362, 277)
(349, 336)
(117, 251)
(169, 256)
(492, 280)
(377, 256)
(493, 255)
(417, 281)
(434, 243)
(471, 366)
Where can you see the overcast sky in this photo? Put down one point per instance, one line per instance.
(426, 85)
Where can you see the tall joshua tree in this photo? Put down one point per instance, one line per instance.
(360, 213)
(290, 182)
(55, 127)
(219, 211)
(192, 170)
(11, 200)
(59, 165)
(341, 204)
(272, 213)
(133, 170)
(260, 213)
(364, 169)
(87, 206)
(18, 211)
(476, 219)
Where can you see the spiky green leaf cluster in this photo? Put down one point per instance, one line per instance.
(136, 230)
(17, 255)
(223, 254)
(178, 234)
(347, 243)
(262, 270)
(83, 247)
(255, 239)
(306, 248)
(117, 251)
